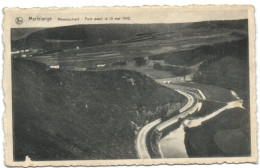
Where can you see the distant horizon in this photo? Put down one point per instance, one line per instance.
(35, 29)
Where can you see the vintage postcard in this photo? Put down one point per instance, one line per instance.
(129, 85)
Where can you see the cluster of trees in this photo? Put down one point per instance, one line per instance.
(120, 63)
(176, 71)
(140, 61)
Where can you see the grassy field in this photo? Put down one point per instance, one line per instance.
(59, 114)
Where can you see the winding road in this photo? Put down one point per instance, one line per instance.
(141, 145)
(190, 107)
(193, 105)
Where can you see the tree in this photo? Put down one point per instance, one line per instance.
(140, 61)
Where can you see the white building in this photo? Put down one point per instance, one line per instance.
(80, 69)
(15, 52)
(55, 66)
(166, 82)
(101, 65)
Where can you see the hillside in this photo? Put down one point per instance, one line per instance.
(100, 34)
(88, 35)
(220, 24)
(59, 114)
(224, 64)
(209, 53)
(18, 33)
(230, 73)
(226, 135)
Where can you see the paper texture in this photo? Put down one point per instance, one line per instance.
(148, 85)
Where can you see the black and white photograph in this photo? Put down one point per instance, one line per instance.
(131, 91)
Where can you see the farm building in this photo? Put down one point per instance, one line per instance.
(54, 66)
(101, 65)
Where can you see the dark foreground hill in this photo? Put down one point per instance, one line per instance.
(230, 73)
(228, 68)
(224, 64)
(226, 135)
(60, 114)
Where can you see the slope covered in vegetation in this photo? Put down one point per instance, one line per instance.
(59, 114)
(226, 135)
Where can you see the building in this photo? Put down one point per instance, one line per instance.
(101, 65)
(54, 66)
(15, 52)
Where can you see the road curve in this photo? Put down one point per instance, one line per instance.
(190, 107)
(194, 104)
(197, 122)
(141, 145)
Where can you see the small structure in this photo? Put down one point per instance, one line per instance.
(80, 69)
(77, 48)
(115, 41)
(101, 65)
(15, 52)
(23, 55)
(54, 66)
(166, 82)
